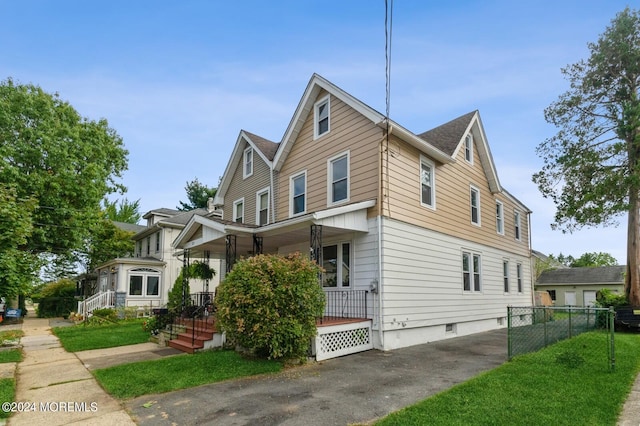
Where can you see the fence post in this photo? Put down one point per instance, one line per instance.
(546, 334)
(612, 344)
(570, 327)
(509, 352)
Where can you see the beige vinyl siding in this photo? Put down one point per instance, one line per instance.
(452, 215)
(247, 188)
(422, 279)
(350, 131)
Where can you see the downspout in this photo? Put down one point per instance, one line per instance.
(381, 198)
(533, 293)
(272, 195)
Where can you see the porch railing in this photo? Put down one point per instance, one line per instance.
(345, 304)
(202, 298)
(104, 299)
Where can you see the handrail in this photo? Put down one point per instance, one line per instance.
(99, 300)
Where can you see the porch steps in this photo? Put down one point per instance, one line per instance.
(196, 336)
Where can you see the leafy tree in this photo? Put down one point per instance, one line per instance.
(108, 242)
(57, 299)
(270, 303)
(125, 211)
(594, 259)
(592, 165)
(562, 259)
(65, 163)
(198, 194)
(17, 266)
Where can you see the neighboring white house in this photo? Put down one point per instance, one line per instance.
(145, 279)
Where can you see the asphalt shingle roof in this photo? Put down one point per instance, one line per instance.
(447, 136)
(597, 275)
(267, 147)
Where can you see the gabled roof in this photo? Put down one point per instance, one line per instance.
(178, 220)
(161, 212)
(263, 147)
(449, 138)
(597, 275)
(130, 227)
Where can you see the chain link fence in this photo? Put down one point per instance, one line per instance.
(532, 328)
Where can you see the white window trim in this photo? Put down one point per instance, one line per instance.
(469, 138)
(235, 203)
(306, 197)
(471, 190)
(145, 274)
(472, 272)
(316, 117)
(517, 218)
(431, 164)
(244, 163)
(519, 278)
(500, 217)
(258, 195)
(506, 276)
(330, 161)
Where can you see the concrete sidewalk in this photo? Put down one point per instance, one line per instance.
(56, 387)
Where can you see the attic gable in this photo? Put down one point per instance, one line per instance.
(449, 138)
(265, 149)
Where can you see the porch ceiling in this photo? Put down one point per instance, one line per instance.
(335, 222)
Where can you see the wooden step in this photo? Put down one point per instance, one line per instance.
(187, 347)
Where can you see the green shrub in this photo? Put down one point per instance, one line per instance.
(269, 304)
(57, 299)
(106, 313)
(606, 298)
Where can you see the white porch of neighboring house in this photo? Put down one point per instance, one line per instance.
(342, 233)
(141, 281)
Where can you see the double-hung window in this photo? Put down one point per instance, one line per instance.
(149, 245)
(475, 206)
(499, 218)
(339, 178)
(157, 242)
(519, 276)
(298, 190)
(468, 148)
(321, 117)
(262, 207)
(471, 270)
(238, 211)
(427, 183)
(248, 163)
(336, 261)
(505, 275)
(516, 219)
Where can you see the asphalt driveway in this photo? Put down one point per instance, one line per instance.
(353, 389)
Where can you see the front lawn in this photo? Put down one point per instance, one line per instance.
(538, 388)
(83, 337)
(180, 372)
(7, 393)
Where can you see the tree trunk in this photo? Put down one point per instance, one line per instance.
(632, 278)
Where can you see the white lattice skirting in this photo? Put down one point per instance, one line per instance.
(344, 339)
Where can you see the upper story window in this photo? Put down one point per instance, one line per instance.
(427, 183)
(339, 178)
(505, 275)
(471, 271)
(516, 220)
(468, 148)
(148, 245)
(138, 248)
(499, 218)
(321, 118)
(157, 242)
(475, 206)
(262, 207)
(238, 211)
(248, 163)
(298, 191)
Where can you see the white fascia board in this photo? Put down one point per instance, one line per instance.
(416, 142)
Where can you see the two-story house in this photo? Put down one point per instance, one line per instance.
(145, 279)
(414, 230)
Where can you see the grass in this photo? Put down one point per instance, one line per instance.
(563, 384)
(179, 372)
(7, 394)
(10, 355)
(85, 337)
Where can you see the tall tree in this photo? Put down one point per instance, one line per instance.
(592, 165)
(594, 259)
(17, 266)
(66, 163)
(124, 211)
(197, 194)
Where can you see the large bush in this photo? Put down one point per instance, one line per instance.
(269, 304)
(57, 299)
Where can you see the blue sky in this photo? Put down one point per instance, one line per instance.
(179, 80)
